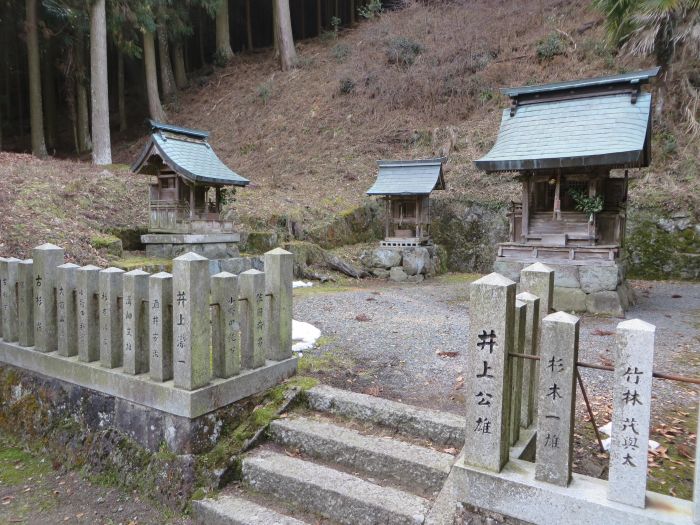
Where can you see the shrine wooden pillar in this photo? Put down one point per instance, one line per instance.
(525, 219)
(557, 198)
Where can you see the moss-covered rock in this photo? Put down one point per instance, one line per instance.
(356, 225)
(111, 244)
(259, 242)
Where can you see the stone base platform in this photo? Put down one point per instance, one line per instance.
(597, 287)
(515, 493)
(209, 245)
(402, 263)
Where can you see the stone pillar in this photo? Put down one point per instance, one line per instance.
(47, 258)
(160, 314)
(538, 279)
(110, 282)
(8, 300)
(696, 484)
(557, 398)
(87, 283)
(530, 369)
(226, 342)
(279, 273)
(2, 261)
(65, 306)
(487, 390)
(191, 321)
(516, 370)
(252, 290)
(25, 302)
(134, 322)
(634, 361)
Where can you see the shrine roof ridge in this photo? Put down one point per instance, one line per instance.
(408, 177)
(160, 126)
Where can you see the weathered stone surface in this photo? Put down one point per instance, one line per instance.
(410, 465)
(279, 273)
(191, 324)
(381, 273)
(566, 276)
(530, 368)
(556, 398)
(47, 258)
(88, 311)
(232, 510)
(696, 486)
(67, 321)
(598, 278)
(516, 369)
(442, 428)
(418, 278)
(509, 269)
(110, 283)
(569, 300)
(538, 279)
(397, 274)
(9, 274)
(606, 302)
(313, 486)
(251, 285)
(160, 326)
(25, 302)
(382, 258)
(236, 265)
(415, 260)
(226, 342)
(634, 361)
(487, 388)
(135, 313)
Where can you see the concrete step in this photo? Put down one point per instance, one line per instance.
(380, 457)
(442, 428)
(339, 496)
(234, 510)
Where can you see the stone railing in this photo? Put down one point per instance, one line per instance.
(520, 407)
(185, 344)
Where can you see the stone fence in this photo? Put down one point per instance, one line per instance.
(184, 344)
(518, 453)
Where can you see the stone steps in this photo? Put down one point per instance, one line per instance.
(337, 495)
(441, 428)
(378, 457)
(235, 510)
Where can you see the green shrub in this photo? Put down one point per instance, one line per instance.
(264, 92)
(219, 60)
(371, 10)
(403, 51)
(550, 47)
(340, 52)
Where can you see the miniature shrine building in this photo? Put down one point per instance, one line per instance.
(405, 186)
(564, 139)
(187, 179)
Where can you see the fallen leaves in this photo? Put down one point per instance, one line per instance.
(441, 353)
(599, 331)
(363, 318)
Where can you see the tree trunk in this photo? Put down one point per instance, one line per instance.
(83, 124)
(179, 62)
(283, 35)
(248, 25)
(35, 109)
(121, 102)
(167, 78)
(302, 11)
(352, 12)
(201, 38)
(101, 146)
(319, 19)
(223, 35)
(49, 94)
(149, 60)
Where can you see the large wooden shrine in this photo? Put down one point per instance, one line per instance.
(405, 186)
(572, 145)
(186, 193)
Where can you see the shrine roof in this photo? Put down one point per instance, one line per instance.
(596, 122)
(408, 177)
(187, 152)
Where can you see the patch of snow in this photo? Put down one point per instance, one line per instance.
(304, 335)
(302, 284)
(607, 430)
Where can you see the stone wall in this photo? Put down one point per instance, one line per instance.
(409, 264)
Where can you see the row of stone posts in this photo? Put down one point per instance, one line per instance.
(186, 326)
(505, 393)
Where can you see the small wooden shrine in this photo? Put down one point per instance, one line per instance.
(564, 140)
(187, 179)
(405, 186)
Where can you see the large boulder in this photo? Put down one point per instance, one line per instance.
(509, 269)
(382, 258)
(566, 276)
(397, 274)
(598, 278)
(569, 300)
(416, 260)
(606, 302)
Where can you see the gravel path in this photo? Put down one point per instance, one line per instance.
(394, 353)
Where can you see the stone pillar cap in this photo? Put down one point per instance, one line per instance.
(190, 256)
(561, 317)
(112, 269)
(637, 325)
(137, 271)
(278, 251)
(537, 267)
(221, 275)
(526, 296)
(48, 246)
(89, 267)
(161, 275)
(251, 272)
(494, 279)
(67, 265)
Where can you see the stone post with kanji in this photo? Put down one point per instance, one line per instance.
(134, 323)
(557, 398)
(487, 389)
(65, 307)
(634, 361)
(191, 322)
(160, 322)
(88, 311)
(25, 302)
(279, 269)
(47, 258)
(251, 286)
(226, 342)
(516, 369)
(538, 279)
(530, 376)
(110, 290)
(8, 300)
